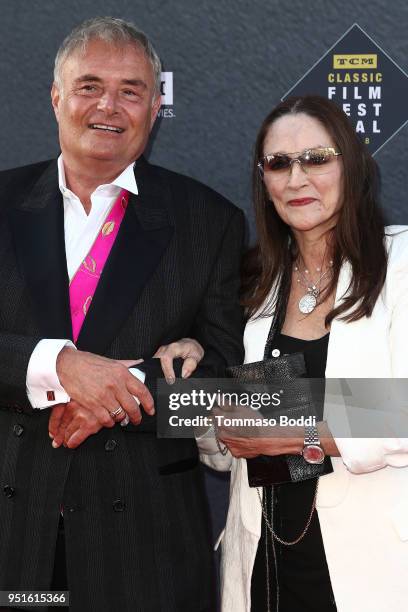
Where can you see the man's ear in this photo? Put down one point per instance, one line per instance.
(55, 98)
(155, 109)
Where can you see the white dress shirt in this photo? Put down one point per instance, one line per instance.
(80, 232)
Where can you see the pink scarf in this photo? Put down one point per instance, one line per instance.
(83, 285)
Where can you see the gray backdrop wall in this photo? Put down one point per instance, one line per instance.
(232, 61)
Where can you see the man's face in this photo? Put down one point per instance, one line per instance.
(105, 105)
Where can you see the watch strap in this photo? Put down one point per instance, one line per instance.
(311, 435)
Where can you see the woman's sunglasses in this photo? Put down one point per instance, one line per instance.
(313, 161)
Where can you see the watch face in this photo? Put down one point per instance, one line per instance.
(313, 454)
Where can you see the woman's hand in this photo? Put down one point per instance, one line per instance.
(247, 448)
(249, 441)
(188, 349)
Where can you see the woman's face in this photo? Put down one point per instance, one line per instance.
(304, 201)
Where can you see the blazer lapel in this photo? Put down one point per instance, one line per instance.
(142, 240)
(37, 224)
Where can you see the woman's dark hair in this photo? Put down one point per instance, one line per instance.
(358, 236)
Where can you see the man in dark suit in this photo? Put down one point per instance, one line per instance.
(134, 511)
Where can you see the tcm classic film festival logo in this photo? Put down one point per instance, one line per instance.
(166, 89)
(365, 82)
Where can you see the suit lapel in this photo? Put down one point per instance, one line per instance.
(37, 224)
(38, 228)
(143, 237)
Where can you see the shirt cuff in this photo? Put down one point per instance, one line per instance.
(43, 386)
(142, 377)
(138, 374)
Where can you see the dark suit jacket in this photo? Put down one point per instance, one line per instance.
(134, 507)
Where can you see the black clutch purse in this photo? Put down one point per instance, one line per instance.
(298, 402)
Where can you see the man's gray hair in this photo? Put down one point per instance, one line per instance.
(111, 30)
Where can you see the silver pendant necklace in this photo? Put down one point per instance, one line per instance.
(308, 301)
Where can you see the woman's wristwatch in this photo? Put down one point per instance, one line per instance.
(312, 451)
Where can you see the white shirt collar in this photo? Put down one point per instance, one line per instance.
(125, 180)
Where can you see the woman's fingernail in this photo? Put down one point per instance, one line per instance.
(170, 380)
(51, 436)
(185, 374)
(54, 444)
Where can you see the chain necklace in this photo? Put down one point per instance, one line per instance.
(308, 301)
(270, 525)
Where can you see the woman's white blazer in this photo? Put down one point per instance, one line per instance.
(363, 504)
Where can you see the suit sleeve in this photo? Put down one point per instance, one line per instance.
(219, 324)
(15, 353)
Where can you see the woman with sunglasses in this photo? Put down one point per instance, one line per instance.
(340, 281)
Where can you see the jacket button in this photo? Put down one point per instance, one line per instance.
(118, 505)
(18, 430)
(110, 445)
(9, 491)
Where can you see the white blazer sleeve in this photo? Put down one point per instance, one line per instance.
(210, 454)
(368, 454)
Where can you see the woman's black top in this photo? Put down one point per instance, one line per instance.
(297, 576)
